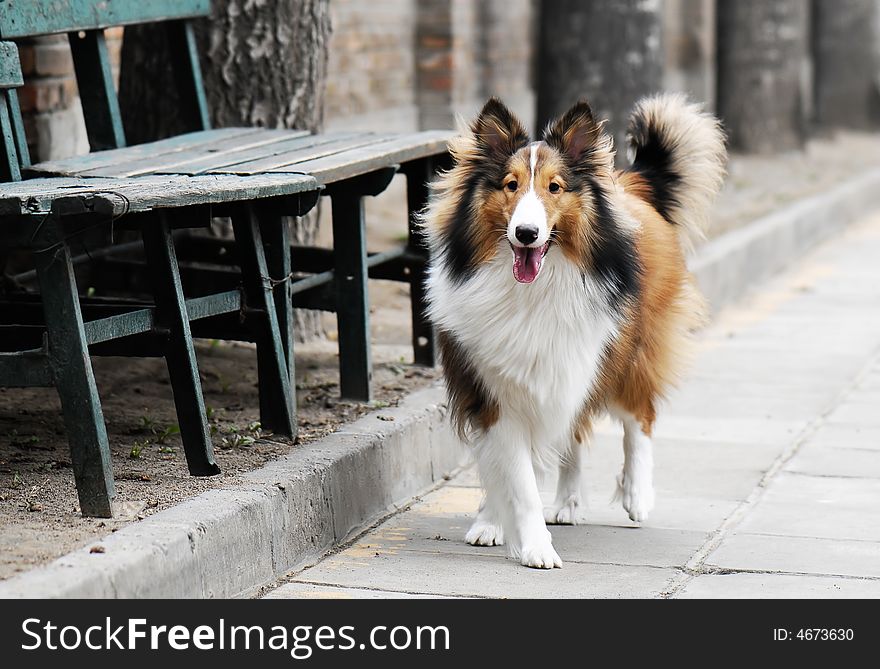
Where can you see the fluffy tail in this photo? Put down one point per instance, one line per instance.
(678, 149)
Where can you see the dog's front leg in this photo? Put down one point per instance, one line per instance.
(505, 463)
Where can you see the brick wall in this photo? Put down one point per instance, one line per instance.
(372, 71)
(403, 65)
(49, 99)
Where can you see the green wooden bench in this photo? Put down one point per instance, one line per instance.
(349, 166)
(183, 182)
(46, 339)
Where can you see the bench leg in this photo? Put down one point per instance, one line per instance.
(277, 402)
(180, 355)
(418, 175)
(276, 237)
(74, 379)
(352, 302)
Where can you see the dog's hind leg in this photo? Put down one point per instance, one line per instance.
(635, 485)
(486, 530)
(567, 509)
(505, 462)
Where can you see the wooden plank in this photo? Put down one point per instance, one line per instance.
(24, 156)
(400, 149)
(272, 153)
(97, 90)
(289, 161)
(180, 357)
(187, 75)
(72, 373)
(36, 196)
(277, 400)
(9, 168)
(198, 308)
(179, 161)
(276, 237)
(25, 369)
(10, 67)
(352, 303)
(24, 18)
(185, 142)
(424, 337)
(119, 325)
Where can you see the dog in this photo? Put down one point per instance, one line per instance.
(559, 292)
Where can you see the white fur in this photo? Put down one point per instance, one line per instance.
(530, 210)
(635, 485)
(567, 508)
(537, 348)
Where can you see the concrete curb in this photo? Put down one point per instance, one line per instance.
(229, 542)
(727, 266)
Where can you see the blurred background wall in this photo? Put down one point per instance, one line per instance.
(777, 72)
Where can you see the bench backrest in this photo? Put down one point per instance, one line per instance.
(27, 18)
(84, 22)
(15, 154)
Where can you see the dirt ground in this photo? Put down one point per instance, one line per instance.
(39, 515)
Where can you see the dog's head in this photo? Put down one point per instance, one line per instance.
(514, 195)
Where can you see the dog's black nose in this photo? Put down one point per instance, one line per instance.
(526, 233)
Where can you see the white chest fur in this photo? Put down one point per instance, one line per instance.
(536, 346)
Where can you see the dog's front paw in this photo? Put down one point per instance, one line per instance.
(637, 497)
(539, 553)
(567, 512)
(483, 533)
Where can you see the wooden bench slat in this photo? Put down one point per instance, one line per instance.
(210, 164)
(316, 150)
(330, 169)
(10, 68)
(24, 18)
(119, 325)
(180, 143)
(177, 161)
(35, 196)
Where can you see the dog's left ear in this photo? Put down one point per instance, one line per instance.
(577, 135)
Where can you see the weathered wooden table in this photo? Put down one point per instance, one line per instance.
(255, 176)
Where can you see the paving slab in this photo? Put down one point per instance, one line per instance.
(778, 586)
(477, 575)
(805, 555)
(802, 505)
(310, 591)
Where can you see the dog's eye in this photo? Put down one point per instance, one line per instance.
(555, 187)
(512, 186)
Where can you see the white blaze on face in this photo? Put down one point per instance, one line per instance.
(529, 212)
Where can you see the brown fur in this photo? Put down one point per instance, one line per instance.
(647, 357)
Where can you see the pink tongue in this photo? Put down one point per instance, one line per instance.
(526, 263)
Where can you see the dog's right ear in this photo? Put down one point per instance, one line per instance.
(497, 131)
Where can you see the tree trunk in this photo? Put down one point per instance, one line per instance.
(846, 63)
(607, 51)
(762, 66)
(264, 64)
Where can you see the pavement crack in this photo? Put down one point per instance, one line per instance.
(695, 564)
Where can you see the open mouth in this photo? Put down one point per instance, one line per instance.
(527, 262)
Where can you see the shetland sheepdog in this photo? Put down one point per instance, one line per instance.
(559, 291)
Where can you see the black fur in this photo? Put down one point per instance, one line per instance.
(653, 162)
(612, 255)
(469, 402)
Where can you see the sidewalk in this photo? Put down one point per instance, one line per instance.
(768, 470)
